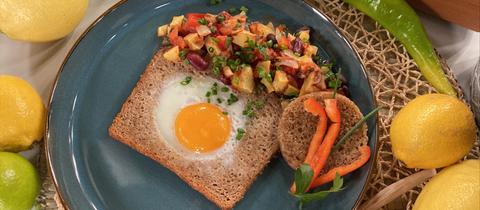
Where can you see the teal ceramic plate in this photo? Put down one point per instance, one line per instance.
(92, 171)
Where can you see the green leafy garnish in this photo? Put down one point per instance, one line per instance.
(214, 89)
(355, 127)
(234, 64)
(220, 18)
(186, 81)
(303, 177)
(240, 133)
(232, 99)
(208, 94)
(224, 89)
(232, 10)
(183, 53)
(218, 63)
(225, 113)
(309, 197)
(264, 74)
(251, 107)
(338, 82)
(203, 21)
(219, 100)
(263, 50)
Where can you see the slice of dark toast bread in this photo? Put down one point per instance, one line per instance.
(224, 184)
(297, 127)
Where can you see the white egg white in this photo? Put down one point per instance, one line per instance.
(175, 96)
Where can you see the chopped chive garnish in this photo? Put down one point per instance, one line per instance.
(208, 100)
(338, 82)
(355, 127)
(208, 94)
(219, 100)
(186, 62)
(232, 10)
(183, 54)
(220, 18)
(203, 21)
(214, 89)
(251, 107)
(232, 99)
(240, 133)
(186, 81)
(224, 89)
(225, 113)
(211, 50)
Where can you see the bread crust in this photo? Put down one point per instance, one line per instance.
(223, 184)
(297, 128)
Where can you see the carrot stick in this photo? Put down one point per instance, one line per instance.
(343, 170)
(316, 109)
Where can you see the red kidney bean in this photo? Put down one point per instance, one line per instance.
(298, 46)
(197, 61)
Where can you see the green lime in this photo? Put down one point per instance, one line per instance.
(19, 182)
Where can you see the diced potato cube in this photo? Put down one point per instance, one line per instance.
(265, 65)
(241, 38)
(162, 30)
(268, 85)
(194, 41)
(172, 54)
(177, 21)
(309, 84)
(227, 72)
(291, 91)
(212, 47)
(311, 50)
(280, 81)
(304, 35)
(203, 30)
(243, 80)
(260, 29)
(270, 25)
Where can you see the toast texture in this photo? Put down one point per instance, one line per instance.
(224, 184)
(297, 128)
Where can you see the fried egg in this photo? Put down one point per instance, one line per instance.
(195, 125)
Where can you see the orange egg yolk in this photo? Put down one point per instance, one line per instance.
(202, 127)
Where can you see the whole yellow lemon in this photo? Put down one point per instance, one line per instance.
(432, 131)
(455, 188)
(40, 20)
(22, 114)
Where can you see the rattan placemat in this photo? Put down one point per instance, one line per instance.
(395, 80)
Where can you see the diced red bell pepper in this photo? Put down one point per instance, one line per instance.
(175, 39)
(222, 42)
(192, 22)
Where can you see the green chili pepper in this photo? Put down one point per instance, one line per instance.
(402, 21)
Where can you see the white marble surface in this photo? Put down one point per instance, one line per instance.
(38, 63)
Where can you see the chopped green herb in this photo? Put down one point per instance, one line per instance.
(251, 107)
(244, 9)
(251, 44)
(213, 29)
(203, 21)
(186, 62)
(214, 89)
(304, 175)
(215, 2)
(264, 75)
(218, 63)
(234, 64)
(240, 133)
(275, 46)
(183, 53)
(228, 42)
(232, 99)
(225, 113)
(219, 100)
(225, 89)
(220, 18)
(214, 40)
(264, 52)
(269, 43)
(208, 100)
(186, 81)
(211, 50)
(208, 94)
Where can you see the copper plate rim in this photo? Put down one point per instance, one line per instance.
(112, 8)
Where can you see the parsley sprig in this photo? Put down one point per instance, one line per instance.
(303, 178)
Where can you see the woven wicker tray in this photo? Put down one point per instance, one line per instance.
(395, 80)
